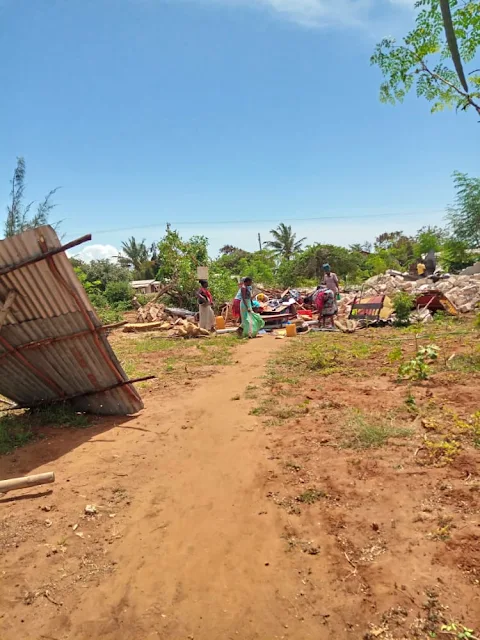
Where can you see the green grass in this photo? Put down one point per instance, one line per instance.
(175, 356)
(16, 429)
(465, 363)
(364, 432)
(271, 407)
(310, 496)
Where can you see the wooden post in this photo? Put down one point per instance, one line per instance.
(26, 481)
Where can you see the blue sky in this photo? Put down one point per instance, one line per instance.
(210, 112)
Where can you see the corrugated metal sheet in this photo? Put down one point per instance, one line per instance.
(51, 302)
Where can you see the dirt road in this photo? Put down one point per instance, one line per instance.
(185, 543)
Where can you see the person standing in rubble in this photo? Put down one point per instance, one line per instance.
(326, 304)
(205, 307)
(250, 322)
(330, 280)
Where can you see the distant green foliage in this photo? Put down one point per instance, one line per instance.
(424, 58)
(464, 215)
(284, 244)
(178, 260)
(403, 305)
(102, 272)
(119, 292)
(455, 256)
(429, 239)
(19, 217)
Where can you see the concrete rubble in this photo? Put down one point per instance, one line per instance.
(176, 323)
(462, 290)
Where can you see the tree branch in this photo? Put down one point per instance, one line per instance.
(439, 78)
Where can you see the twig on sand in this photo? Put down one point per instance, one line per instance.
(352, 564)
(47, 595)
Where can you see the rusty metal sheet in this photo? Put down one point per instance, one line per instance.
(50, 302)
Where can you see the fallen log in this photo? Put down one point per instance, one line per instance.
(26, 481)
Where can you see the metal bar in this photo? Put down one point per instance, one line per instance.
(48, 254)
(71, 336)
(93, 392)
(8, 304)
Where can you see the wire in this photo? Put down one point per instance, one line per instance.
(205, 223)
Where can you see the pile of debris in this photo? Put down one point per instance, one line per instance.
(175, 322)
(463, 290)
(156, 312)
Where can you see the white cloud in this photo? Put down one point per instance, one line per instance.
(321, 13)
(96, 252)
(318, 13)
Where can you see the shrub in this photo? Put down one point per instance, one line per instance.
(403, 304)
(119, 292)
(417, 368)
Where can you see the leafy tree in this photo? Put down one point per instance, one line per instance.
(464, 216)
(345, 263)
(429, 239)
(19, 218)
(103, 272)
(178, 260)
(222, 285)
(378, 262)
(232, 260)
(424, 58)
(455, 256)
(136, 253)
(118, 292)
(285, 243)
(259, 265)
(400, 246)
(227, 249)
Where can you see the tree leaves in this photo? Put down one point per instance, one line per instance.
(424, 58)
(18, 213)
(464, 215)
(285, 243)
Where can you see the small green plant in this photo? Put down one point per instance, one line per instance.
(411, 403)
(418, 368)
(458, 631)
(310, 496)
(403, 304)
(395, 355)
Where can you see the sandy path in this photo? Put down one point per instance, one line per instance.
(199, 552)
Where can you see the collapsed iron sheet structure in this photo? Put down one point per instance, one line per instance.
(53, 347)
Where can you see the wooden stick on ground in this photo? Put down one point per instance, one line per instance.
(26, 481)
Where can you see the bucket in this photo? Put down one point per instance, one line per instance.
(219, 323)
(291, 330)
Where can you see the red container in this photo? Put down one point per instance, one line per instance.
(306, 313)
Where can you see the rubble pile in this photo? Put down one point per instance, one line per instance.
(462, 290)
(174, 322)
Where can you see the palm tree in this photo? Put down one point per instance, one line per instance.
(285, 243)
(136, 253)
